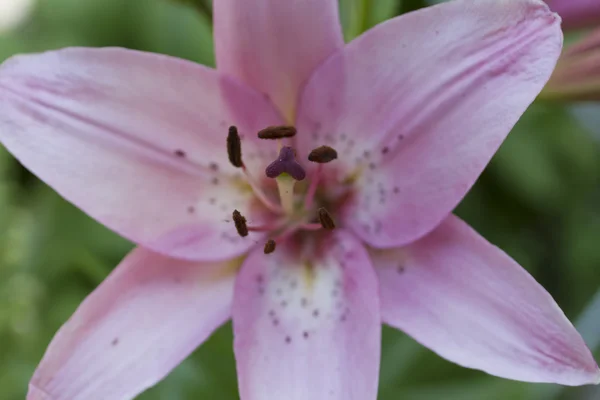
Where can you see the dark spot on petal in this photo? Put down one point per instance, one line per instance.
(305, 334)
(396, 189)
(294, 284)
(179, 153)
(275, 321)
(284, 304)
(400, 269)
(288, 339)
(385, 150)
(191, 209)
(271, 313)
(400, 137)
(260, 278)
(115, 341)
(213, 166)
(304, 302)
(215, 181)
(212, 200)
(372, 165)
(315, 313)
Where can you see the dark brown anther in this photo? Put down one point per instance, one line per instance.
(323, 154)
(277, 132)
(240, 223)
(325, 219)
(270, 246)
(234, 147)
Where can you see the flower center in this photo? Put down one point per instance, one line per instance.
(291, 215)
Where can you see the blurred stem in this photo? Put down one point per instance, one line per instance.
(199, 5)
(92, 267)
(364, 9)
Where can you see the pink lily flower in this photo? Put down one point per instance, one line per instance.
(415, 108)
(577, 14)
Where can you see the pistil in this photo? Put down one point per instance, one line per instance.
(285, 184)
(286, 171)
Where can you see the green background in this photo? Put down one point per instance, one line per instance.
(539, 200)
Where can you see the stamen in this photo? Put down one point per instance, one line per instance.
(286, 163)
(240, 223)
(325, 219)
(277, 132)
(312, 188)
(234, 147)
(310, 227)
(323, 154)
(270, 246)
(259, 193)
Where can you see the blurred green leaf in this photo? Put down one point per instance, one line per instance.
(357, 16)
(548, 160)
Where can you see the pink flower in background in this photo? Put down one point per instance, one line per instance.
(577, 74)
(577, 14)
(415, 109)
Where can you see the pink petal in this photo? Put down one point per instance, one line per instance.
(417, 106)
(471, 303)
(308, 327)
(140, 323)
(136, 140)
(274, 45)
(577, 13)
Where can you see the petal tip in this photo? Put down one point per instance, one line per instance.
(595, 376)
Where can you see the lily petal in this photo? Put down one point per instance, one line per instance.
(137, 141)
(274, 45)
(418, 105)
(306, 326)
(141, 322)
(471, 303)
(577, 13)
